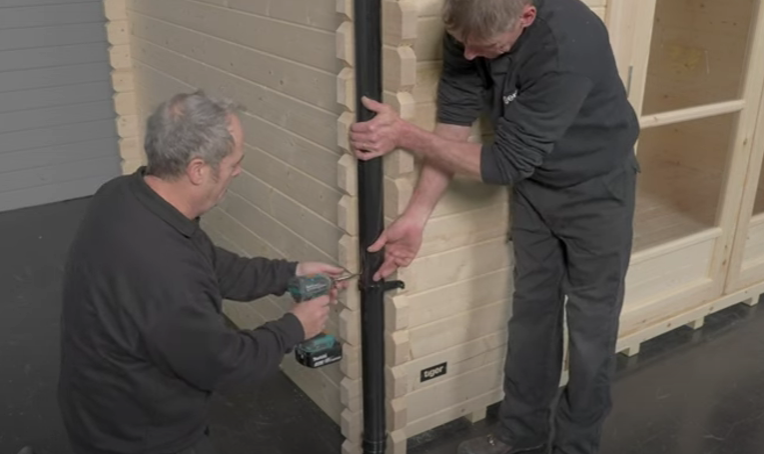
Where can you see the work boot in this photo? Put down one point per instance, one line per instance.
(487, 444)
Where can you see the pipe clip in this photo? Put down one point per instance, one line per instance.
(386, 286)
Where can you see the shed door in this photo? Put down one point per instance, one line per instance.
(58, 137)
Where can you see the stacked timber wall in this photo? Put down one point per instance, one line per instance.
(129, 127)
(456, 304)
(278, 59)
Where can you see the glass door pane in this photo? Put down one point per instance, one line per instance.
(698, 53)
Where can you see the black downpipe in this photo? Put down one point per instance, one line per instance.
(368, 72)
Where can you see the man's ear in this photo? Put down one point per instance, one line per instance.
(197, 171)
(529, 15)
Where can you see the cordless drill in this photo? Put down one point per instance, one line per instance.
(324, 348)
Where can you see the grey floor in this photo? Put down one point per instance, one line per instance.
(693, 392)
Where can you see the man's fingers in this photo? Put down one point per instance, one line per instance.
(372, 105)
(334, 270)
(387, 268)
(363, 127)
(380, 243)
(367, 155)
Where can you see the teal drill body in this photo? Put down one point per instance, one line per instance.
(323, 349)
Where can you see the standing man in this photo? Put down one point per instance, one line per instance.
(564, 140)
(143, 342)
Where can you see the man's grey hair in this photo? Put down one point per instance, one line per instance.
(186, 127)
(481, 20)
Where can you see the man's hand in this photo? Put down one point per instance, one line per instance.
(402, 240)
(314, 313)
(377, 136)
(306, 268)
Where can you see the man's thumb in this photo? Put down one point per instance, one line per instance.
(371, 104)
(379, 243)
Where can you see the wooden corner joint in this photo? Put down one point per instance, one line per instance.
(398, 68)
(350, 327)
(399, 19)
(397, 348)
(345, 44)
(396, 313)
(345, 8)
(347, 214)
(115, 9)
(346, 89)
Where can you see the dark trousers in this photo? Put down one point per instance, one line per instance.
(203, 446)
(574, 242)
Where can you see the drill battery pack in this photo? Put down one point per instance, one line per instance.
(319, 351)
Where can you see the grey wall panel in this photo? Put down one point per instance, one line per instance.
(60, 35)
(58, 137)
(30, 139)
(59, 154)
(17, 3)
(57, 76)
(55, 96)
(51, 193)
(53, 116)
(57, 14)
(45, 57)
(53, 175)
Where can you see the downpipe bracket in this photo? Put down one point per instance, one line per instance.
(384, 286)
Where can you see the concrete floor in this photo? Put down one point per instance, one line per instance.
(692, 392)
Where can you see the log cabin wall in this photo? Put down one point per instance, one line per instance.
(279, 60)
(292, 64)
(454, 309)
(129, 126)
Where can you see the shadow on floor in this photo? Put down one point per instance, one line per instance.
(265, 418)
(692, 392)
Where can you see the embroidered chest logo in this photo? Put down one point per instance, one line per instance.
(509, 98)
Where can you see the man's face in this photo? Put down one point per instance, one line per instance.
(229, 168)
(502, 43)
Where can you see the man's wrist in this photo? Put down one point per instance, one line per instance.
(410, 138)
(418, 212)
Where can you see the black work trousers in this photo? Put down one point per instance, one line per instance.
(573, 242)
(202, 446)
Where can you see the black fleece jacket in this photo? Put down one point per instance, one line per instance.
(143, 341)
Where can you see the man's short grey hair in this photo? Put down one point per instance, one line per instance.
(481, 20)
(186, 127)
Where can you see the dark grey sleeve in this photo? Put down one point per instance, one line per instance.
(532, 123)
(190, 338)
(247, 279)
(460, 89)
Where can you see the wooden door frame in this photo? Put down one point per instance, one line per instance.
(631, 23)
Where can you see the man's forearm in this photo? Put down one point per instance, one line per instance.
(433, 179)
(247, 279)
(453, 156)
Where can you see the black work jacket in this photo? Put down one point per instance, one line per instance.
(558, 107)
(143, 341)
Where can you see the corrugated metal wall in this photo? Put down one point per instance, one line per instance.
(58, 136)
